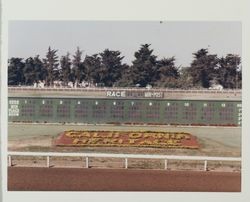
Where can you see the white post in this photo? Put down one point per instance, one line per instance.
(48, 162)
(126, 163)
(205, 165)
(166, 164)
(10, 161)
(87, 162)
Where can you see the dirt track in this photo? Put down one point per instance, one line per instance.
(75, 179)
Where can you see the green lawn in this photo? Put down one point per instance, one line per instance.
(213, 140)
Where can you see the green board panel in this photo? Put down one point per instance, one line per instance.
(141, 111)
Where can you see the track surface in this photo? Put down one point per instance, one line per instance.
(75, 179)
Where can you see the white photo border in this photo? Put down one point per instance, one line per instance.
(139, 10)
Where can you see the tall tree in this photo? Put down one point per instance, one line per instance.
(203, 68)
(65, 72)
(166, 73)
(33, 70)
(51, 65)
(143, 66)
(185, 80)
(15, 71)
(78, 68)
(111, 67)
(125, 80)
(92, 66)
(29, 71)
(229, 71)
(39, 69)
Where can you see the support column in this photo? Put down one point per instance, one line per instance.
(205, 165)
(48, 163)
(87, 162)
(9, 161)
(165, 164)
(126, 163)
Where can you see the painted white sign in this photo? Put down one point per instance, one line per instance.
(116, 94)
(153, 94)
(239, 116)
(14, 108)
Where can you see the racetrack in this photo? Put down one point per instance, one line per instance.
(80, 179)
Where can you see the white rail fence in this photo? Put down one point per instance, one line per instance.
(86, 157)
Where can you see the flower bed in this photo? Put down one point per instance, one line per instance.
(127, 139)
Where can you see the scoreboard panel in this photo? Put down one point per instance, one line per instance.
(127, 110)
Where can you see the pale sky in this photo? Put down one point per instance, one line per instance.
(167, 39)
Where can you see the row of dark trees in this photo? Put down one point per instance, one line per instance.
(107, 69)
